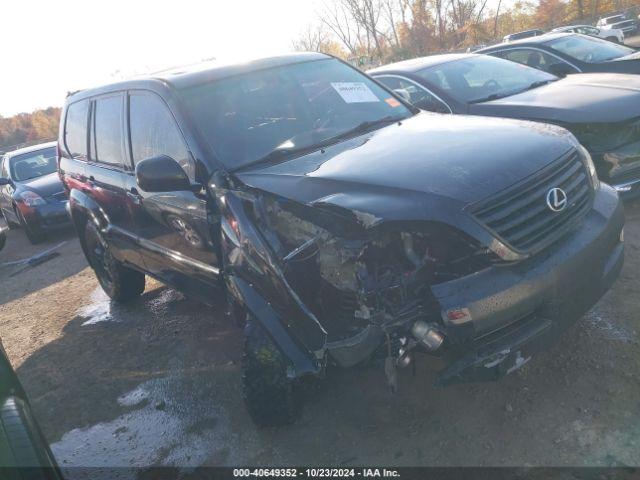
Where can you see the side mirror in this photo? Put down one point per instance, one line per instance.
(5, 181)
(161, 174)
(561, 69)
(431, 106)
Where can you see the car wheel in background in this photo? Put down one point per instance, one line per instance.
(33, 234)
(271, 398)
(613, 39)
(120, 283)
(10, 223)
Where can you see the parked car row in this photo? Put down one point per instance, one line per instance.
(601, 110)
(346, 223)
(610, 34)
(613, 28)
(619, 22)
(566, 53)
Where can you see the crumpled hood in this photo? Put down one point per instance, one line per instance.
(430, 165)
(584, 98)
(44, 186)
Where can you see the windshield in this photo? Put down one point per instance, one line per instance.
(483, 77)
(589, 49)
(33, 164)
(293, 107)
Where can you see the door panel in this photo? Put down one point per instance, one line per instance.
(106, 172)
(172, 227)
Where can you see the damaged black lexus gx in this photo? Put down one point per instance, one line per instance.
(343, 223)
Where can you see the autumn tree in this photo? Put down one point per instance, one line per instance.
(26, 128)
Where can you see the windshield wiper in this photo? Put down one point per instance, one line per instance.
(493, 96)
(282, 153)
(537, 84)
(277, 154)
(363, 127)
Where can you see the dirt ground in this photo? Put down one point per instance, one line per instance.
(633, 41)
(158, 383)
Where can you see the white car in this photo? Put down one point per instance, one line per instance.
(628, 25)
(611, 34)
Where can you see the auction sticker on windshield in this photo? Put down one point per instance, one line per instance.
(354, 92)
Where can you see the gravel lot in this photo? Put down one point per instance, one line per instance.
(158, 383)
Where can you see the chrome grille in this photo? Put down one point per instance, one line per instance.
(519, 216)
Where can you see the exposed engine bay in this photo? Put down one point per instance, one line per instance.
(369, 286)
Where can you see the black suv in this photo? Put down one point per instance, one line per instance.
(343, 223)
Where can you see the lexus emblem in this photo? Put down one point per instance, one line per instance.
(556, 199)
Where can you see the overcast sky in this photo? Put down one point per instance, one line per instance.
(50, 47)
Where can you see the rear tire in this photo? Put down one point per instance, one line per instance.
(120, 283)
(34, 235)
(271, 398)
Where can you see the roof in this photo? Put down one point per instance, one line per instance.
(567, 27)
(420, 63)
(32, 148)
(203, 72)
(531, 30)
(547, 37)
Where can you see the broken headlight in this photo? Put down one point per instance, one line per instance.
(32, 199)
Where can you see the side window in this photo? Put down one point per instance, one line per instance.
(75, 130)
(415, 94)
(154, 132)
(534, 59)
(107, 144)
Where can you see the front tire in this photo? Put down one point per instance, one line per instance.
(34, 235)
(271, 398)
(120, 283)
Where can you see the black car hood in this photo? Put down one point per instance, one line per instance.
(427, 167)
(584, 98)
(44, 186)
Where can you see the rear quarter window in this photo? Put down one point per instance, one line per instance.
(75, 130)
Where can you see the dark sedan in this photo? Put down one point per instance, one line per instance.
(31, 193)
(566, 53)
(601, 110)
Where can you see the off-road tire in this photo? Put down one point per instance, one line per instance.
(120, 283)
(271, 398)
